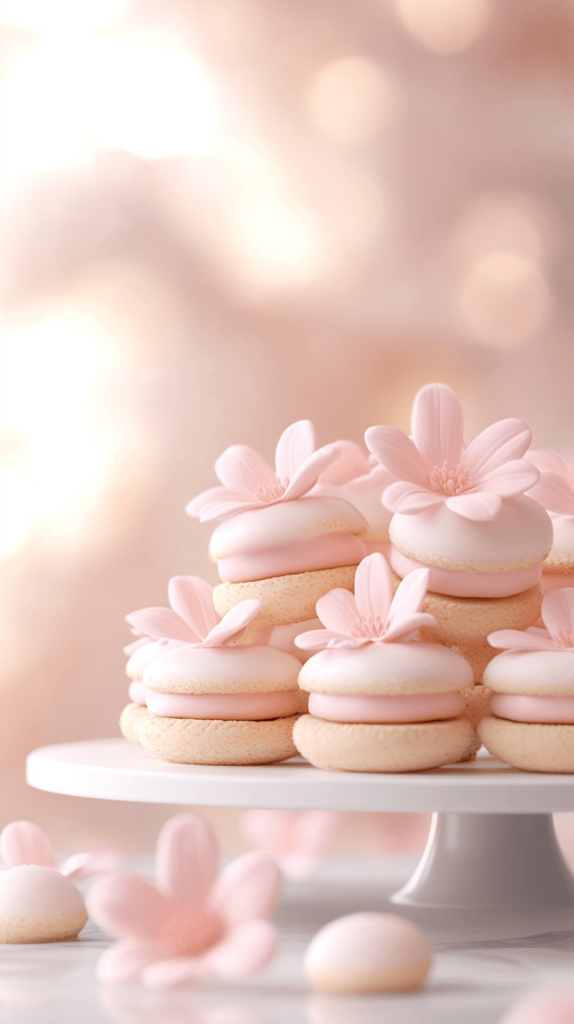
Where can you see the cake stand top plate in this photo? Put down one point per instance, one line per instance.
(117, 770)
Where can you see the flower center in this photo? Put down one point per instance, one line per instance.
(450, 480)
(272, 491)
(361, 627)
(190, 932)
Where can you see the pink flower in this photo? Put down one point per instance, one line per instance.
(557, 616)
(355, 470)
(555, 489)
(192, 618)
(193, 921)
(23, 842)
(248, 482)
(440, 464)
(295, 839)
(374, 614)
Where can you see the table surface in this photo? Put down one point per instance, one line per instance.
(472, 981)
(117, 770)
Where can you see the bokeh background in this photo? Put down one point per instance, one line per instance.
(217, 218)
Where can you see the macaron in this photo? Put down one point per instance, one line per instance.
(555, 492)
(38, 904)
(368, 952)
(138, 662)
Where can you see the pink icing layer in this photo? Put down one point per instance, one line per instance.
(418, 707)
(468, 584)
(324, 552)
(238, 707)
(525, 708)
(138, 692)
(551, 581)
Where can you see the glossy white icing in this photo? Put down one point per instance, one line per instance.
(141, 658)
(31, 891)
(520, 537)
(417, 707)
(222, 669)
(531, 672)
(394, 668)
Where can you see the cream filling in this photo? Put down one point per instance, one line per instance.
(518, 707)
(423, 707)
(454, 583)
(237, 707)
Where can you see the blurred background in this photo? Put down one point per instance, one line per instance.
(218, 218)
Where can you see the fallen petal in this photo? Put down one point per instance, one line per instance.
(186, 859)
(247, 888)
(179, 972)
(247, 948)
(127, 906)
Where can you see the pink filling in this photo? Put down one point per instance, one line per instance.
(469, 584)
(238, 707)
(417, 707)
(550, 581)
(324, 552)
(138, 692)
(525, 708)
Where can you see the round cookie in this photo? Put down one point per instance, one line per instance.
(194, 741)
(529, 746)
(284, 599)
(128, 719)
(38, 904)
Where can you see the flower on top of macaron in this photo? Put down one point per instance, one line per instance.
(555, 489)
(374, 614)
(192, 620)
(249, 482)
(558, 617)
(440, 464)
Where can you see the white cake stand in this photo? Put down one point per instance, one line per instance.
(492, 859)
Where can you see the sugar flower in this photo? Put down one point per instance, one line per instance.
(439, 464)
(23, 842)
(192, 619)
(355, 470)
(193, 921)
(555, 489)
(248, 481)
(374, 614)
(295, 839)
(557, 616)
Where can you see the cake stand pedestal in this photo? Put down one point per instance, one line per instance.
(492, 866)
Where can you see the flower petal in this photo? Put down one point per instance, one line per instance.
(178, 972)
(409, 499)
(309, 472)
(407, 624)
(374, 590)
(558, 614)
(246, 889)
(233, 624)
(410, 595)
(161, 624)
(315, 639)
(186, 859)
(23, 842)
(243, 470)
(513, 478)
(247, 948)
(502, 442)
(548, 461)
(397, 453)
(481, 506)
(295, 445)
(219, 502)
(84, 865)
(127, 906)
(192, 599)
(554, 493)
(516, 639)
(352, 463)
(126, 960)
(337, 611)
(437, 426)
(312, 830)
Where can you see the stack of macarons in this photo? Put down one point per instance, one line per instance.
(380, 699)
(204, 698)
(278, 543)
(555, 491)
(460, 510)
(531, 721)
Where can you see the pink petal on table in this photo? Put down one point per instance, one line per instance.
(409, 499)
(243, 470)
(398, 454)
(295, 445)
(23, 842)
(557, 615)
(176, 973)
(403, 627)
(126, 960)
(312, 830)
(437, 427)
(84, 865)
(554, 493)
(505, 441)
(512, 478)
(192, 599)
(269, 830)
(186, 859)
(315, 639)
(127, 906)
(309, 472)
(233, 624)
(247, 888)
(480, 506)
(548, 461)
(337, 610)
(352, 463)
(161, 624)
(374, 590)
(516, 640)
(246, 948)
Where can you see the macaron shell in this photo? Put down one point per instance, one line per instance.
(128, 718)
(533, 748)
(394, 668)
(561, 557)
(478, 653)
(38, 904)
(462, 619)
(537, 673)
(284, 599)
(194, 741)
(54, 928)
(383, 748)
(236, 669)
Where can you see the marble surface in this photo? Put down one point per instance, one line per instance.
(472, 981)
